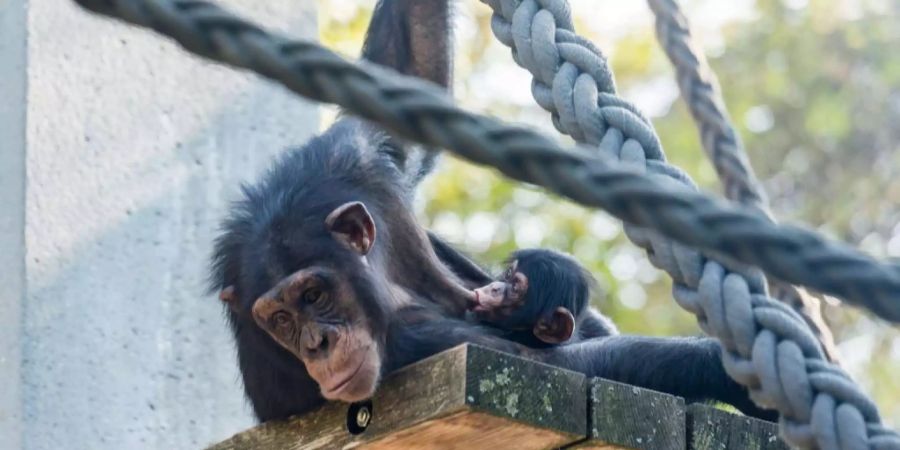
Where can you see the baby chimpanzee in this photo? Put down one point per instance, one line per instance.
(542, 299)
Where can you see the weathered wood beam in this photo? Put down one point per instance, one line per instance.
(468, 397)
(622, 416)
(713, 429)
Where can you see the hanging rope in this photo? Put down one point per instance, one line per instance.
(768, 347)
(416, 110)
(700, 90)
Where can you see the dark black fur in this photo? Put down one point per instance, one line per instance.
(555, 280)
(413, 37)
(469, 272)
(277, 228)
(268, 237)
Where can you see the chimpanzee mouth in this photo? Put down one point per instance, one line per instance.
(476, 306)
(331, 391)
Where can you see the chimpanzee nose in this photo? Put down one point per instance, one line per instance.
(317, 339)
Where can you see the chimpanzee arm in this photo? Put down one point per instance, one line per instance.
(593, 324)
(413, 37)
(470, 273)
(686, 367)
(418, 332)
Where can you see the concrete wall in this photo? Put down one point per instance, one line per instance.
(110, 194)
(12, 215)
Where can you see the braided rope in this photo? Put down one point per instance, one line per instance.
(766, 346)
(416, 110)
(700, 89)
(422, 113)
(701, 92)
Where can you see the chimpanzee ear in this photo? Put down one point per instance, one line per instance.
(556, 327)
(228, 297)
(352, 225)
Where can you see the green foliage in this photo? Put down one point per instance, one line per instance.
(814, 89)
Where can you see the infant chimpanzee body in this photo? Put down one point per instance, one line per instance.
(541, 299)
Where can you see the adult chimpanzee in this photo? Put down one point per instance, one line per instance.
(331, 282)
(542, 298)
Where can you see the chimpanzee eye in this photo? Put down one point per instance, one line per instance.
(312, 295)
(518, 284)
(281, 318)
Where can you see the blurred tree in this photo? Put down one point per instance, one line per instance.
(814, 87)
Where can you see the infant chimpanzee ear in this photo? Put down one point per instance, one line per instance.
(352, 225)
(556, 327)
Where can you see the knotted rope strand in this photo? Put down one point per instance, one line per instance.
(700, 89)
(766, 346)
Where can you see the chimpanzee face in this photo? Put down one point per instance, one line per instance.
(500, 299)
(534, 293)
(323, 314)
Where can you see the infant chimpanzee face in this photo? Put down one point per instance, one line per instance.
(497, 301)
(541, 290)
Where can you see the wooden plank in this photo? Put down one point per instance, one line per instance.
(713, 429)
(534, 393)
(467, 397)
(627, 417)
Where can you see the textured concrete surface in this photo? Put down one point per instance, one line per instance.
(12, 215)
(133, 151)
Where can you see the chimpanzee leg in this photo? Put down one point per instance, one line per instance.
(594, 325)
(468, 271)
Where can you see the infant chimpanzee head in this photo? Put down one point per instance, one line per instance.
(542, 290)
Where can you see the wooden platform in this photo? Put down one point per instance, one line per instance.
(470, 398)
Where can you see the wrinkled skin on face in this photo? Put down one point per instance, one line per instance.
(510, 304)
(317, 314)
(312, 314)
(499, 299)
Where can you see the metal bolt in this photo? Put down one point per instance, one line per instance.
(363, 416)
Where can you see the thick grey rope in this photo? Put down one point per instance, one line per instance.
(418, 111)
(700, 90)
(766, 346)
(424, 114)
